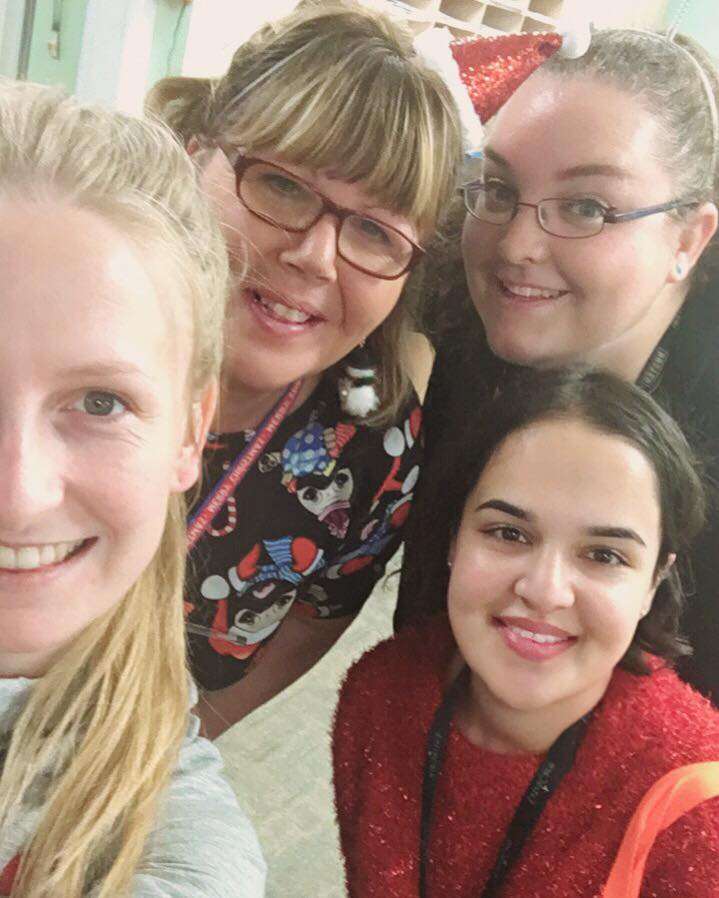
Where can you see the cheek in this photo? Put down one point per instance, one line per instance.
(610, 618)
(479, 242)
(367, 301)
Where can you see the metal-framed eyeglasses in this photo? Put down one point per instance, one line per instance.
(282, 199)
(572, 218)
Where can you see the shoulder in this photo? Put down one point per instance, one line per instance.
(406, 667)
(660, 720)
(203, 843)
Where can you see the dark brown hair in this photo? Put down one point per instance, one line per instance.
(612, 406)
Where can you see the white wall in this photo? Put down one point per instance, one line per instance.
(218, 27)
(115, 56)
(12, 13)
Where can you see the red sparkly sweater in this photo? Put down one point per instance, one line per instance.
(643, 727)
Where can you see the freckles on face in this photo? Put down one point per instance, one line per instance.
(553, 561)
(296, 306)
(547, 300)
(92, 420)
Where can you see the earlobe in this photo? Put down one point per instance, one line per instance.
(696, 233)
(189, 459)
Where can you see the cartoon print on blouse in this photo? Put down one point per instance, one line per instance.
(309, 460)
(266, 589)
(379, 531)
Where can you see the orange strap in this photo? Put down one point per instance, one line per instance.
(674, 794)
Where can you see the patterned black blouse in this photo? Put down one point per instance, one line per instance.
(310, 528)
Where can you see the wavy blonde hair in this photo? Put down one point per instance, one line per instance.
(338, 87)
(104, 725)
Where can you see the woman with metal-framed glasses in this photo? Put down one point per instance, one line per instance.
(329, 151)
(588, 238)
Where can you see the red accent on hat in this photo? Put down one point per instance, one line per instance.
(492, 68)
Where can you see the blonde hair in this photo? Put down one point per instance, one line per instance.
(102, 728)
(337, 87)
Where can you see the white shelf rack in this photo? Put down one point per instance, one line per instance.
(489, 17)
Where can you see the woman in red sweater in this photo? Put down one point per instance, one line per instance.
(501, 751)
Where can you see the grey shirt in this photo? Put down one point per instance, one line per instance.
(203, 845)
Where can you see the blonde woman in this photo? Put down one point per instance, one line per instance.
(329, 151)
(111, 300)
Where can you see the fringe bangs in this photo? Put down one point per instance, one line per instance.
(376, 127)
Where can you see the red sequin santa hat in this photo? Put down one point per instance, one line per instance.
(492, 68)
(483, 72)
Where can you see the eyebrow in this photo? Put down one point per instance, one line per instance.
(617, 533)
(105, 369)
(605, 169)
(500, 505)
(606, 531)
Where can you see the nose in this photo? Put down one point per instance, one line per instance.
(545, 584)
(523, 241)
(314, 252)
(31, 479)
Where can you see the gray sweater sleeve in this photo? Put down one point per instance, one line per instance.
(203, 846)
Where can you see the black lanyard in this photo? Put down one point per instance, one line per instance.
(549, 775)
(652, 372)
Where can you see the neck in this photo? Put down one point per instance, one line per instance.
(28, 664)
(242, 407)
(627, 356)
(490, 723)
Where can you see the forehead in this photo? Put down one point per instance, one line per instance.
(565, 471)
(75, 282)
(551, 125)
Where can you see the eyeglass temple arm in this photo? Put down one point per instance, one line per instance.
(611, 217)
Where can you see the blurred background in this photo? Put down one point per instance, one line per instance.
(111, 51)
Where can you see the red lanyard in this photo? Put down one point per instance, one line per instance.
(226, 485)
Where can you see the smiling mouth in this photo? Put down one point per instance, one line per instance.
(528, 294)
(281, 312)
(33, 558)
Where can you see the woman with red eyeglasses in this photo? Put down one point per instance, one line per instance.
(329, 150)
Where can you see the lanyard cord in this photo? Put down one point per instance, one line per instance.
(217, 496)
(559, 761)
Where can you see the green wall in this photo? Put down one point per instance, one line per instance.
(701, 21)
(169, 38)
(41, 66)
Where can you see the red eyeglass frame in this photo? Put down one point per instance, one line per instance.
(240, 163)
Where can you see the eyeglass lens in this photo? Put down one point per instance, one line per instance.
(571, 217)
(363, 242)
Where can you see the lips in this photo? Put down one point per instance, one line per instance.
(35, 557)
(533, 640)
(528, 293)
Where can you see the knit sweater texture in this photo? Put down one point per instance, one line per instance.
(642, 728)
(202, 845)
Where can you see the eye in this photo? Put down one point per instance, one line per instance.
(100, 404)
(583, 208)
(372, 230)
(507, 533)
(498, 192)
(283, 185)
(606, 557)
(342, 478)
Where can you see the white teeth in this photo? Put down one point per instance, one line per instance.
(532, 292)
(541, 638)
(283, 311)
(29, 558)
